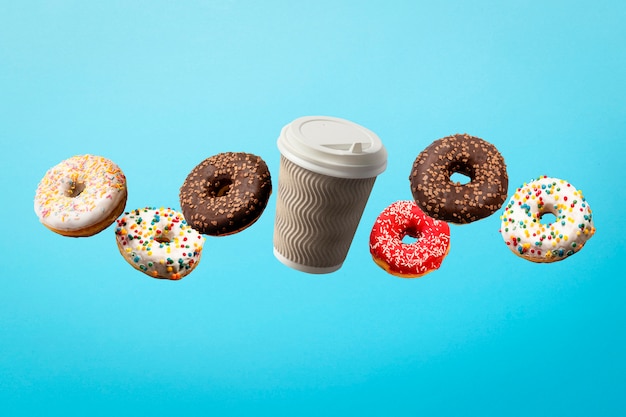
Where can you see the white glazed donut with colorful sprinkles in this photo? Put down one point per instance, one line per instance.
(535, 241)
(81, 196)
(159, 242)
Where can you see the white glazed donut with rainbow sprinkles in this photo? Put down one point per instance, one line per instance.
(529, 238)
(159, 242)
(81, 196)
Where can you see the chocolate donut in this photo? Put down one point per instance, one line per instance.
(226, 193)
(443, 199)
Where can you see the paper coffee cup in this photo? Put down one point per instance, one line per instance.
(328, 167)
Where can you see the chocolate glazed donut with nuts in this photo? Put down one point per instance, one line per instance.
(226, 193)
(444, 199)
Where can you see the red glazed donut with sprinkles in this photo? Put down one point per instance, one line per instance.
(526, 236)
(159, 242)
(408, 260)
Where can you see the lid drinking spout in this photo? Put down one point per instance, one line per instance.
(357, 147)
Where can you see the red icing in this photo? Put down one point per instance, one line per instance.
(414, 259)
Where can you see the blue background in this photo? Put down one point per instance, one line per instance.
(157, 86)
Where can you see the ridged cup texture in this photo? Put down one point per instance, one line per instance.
(317, 215)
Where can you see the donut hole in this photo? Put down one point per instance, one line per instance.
(460, 178)
(547, 218)
(410, 236)
(162, 239)
(75, 189)
(220, 187)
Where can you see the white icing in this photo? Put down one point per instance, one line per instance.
(79, 192)
(159, 242)
(528, 237)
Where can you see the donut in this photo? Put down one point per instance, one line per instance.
(81, 196)
(525, 234)
(226, 193)
(159, 242)
(408, 260)
(451, 201)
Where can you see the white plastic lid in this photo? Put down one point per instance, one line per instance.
(333, 146)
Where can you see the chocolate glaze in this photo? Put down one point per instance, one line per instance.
(443, 199)
(226, 193)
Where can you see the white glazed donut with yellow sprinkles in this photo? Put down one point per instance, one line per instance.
(531, 239)
(81, 196)
(159, 242)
